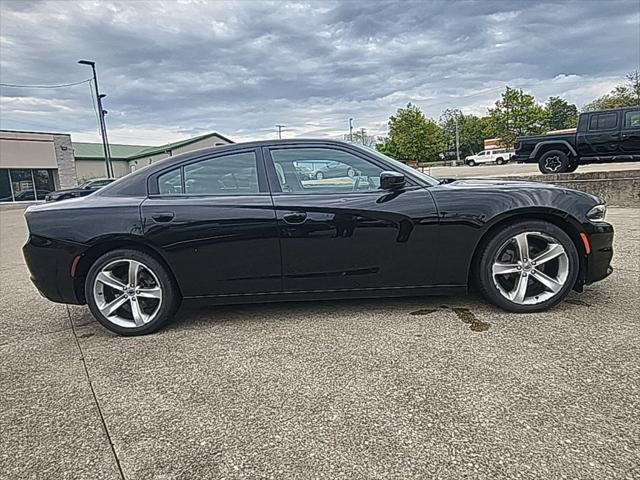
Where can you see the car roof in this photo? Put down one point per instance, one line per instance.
(240, 146)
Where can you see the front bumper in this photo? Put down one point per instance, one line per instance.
(598, 262)
(50, 263)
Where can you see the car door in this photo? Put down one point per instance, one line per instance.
(630, 135)
(602, 138)
(345, 232)
(213, 219)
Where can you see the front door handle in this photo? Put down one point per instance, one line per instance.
(294, 218)
(163, 217)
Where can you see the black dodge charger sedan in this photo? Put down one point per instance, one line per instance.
(241, 223)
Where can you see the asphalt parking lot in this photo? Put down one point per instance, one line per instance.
(404, 388)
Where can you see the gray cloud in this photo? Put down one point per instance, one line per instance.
(181, 68)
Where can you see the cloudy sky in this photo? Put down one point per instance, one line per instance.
(174, 69)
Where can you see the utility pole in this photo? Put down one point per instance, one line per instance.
(101, 114)
(280, 127)
(506, 107)
(362, 132)
(457, 143)
(351, 129)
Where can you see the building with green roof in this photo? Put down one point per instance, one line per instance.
(128, 158)
(33, 164)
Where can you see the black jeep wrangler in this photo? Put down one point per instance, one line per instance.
(605, 136)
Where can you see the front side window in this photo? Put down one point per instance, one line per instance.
(234, 174)
(603, 121)
(632, 119)
(323, 170)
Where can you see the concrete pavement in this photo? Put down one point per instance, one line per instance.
(406, 388)
(513, 169)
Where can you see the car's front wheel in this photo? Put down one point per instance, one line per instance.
(130, 292)
(529, 266)
(471, 163)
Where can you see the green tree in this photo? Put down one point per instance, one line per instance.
(514, 115)
(560, 114)
(623, 95)
(413, 137)
(472, 132)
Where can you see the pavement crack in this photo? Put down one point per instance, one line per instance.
(464, 314)
(95, 397)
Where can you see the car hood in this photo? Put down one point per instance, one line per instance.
(493, 183)
(513, 187)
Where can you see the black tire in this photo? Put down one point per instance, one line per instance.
(553, 161)
(573, 166)
(500, 161)
(471, 163)
(167, 306)
(351, 172)
(492, 247)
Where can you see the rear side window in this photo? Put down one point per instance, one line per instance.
(603, 121)
(632, 119)
(234, 174)
(170, 183)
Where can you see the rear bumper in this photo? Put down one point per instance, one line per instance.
(522, 159)
(50, 263)
(598, 264)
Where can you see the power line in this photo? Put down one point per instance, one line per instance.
(62, 85)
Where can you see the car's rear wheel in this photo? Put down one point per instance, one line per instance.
(500, 161)
(573, 166)
(553, 161)
(319, 176)
(528, 267)
(130, 292)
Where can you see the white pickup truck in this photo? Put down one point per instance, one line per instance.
(499, 156)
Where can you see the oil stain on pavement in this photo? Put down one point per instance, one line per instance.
(464, 314)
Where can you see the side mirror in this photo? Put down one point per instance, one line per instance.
(391, 180)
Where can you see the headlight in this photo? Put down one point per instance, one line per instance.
(597, 213)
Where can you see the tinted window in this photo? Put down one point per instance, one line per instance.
(632, 119)
(170, 183)
(98, 183)
(228, 175)
(603, 121)
(325, 170)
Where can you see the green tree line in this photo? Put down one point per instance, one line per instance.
(414, 137)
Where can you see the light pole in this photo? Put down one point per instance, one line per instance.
(280, 127)
(457, 144)
(101, 113)
(351, 129)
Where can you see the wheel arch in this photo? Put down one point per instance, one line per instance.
(102, 246)
(544, 147)
(562, 220)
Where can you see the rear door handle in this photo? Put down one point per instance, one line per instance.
(163, 217)
(294, 218)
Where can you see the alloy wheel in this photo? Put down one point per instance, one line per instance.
(553, 163)
(128, 293)
(530, 268)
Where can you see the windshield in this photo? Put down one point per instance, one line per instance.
(401, 167)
